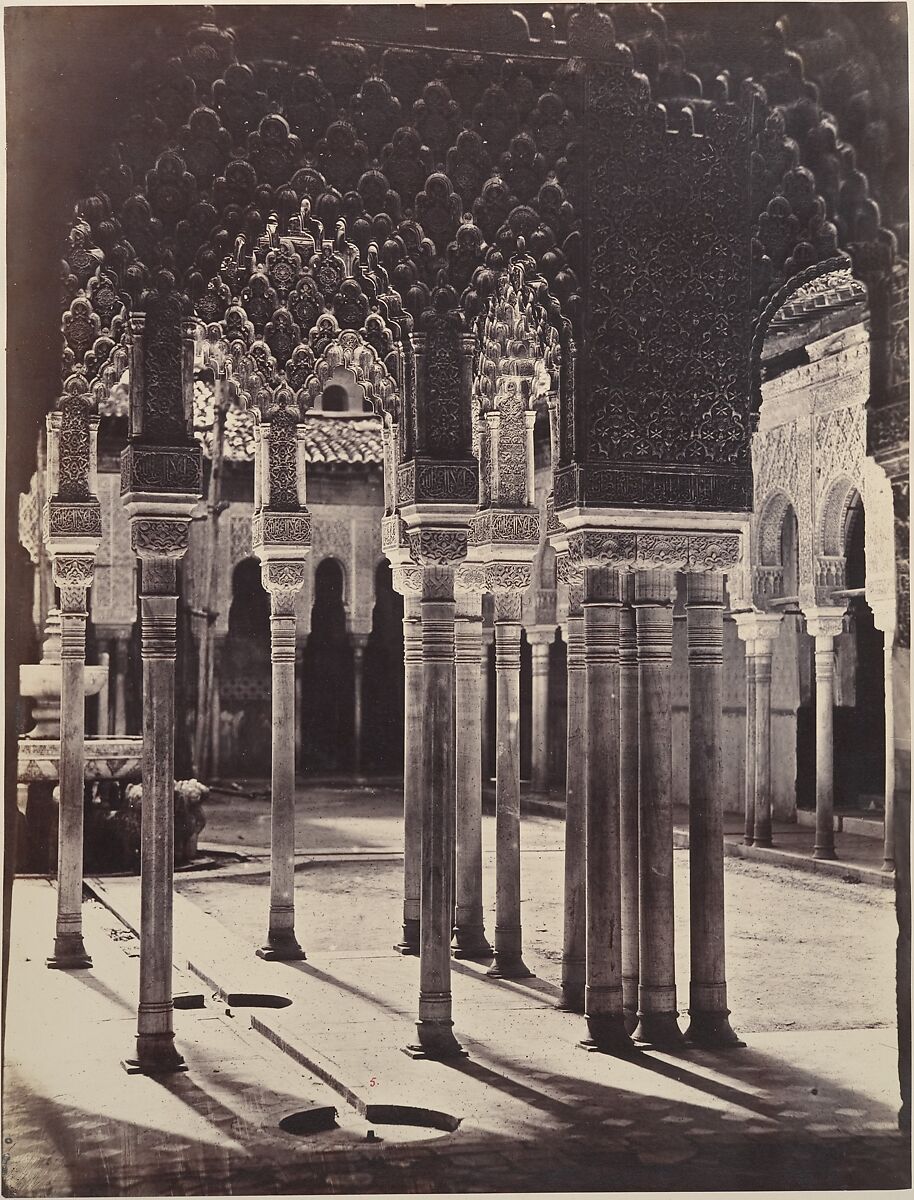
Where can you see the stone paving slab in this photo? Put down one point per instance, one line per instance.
(526, 1080)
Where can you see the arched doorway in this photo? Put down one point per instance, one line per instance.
(382, 680)
(327, 691)
(244, 677)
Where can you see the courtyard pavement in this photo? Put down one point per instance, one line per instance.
(811, 1103)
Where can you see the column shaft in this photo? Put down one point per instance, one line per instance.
(657, 988)
(749, 775)
(438, 791)
(889, 851)
(708, 987)
(761, 663)
(358, 664)
(69, 950)
(603, 1001)
(540, 723)
(281, 943)
(574, 945)
(628, 788)
(412, 768)
(508, 939)
(825, 748)
(469, 931)
(120, 685)
(155, 1017)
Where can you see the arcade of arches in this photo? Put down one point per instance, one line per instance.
(538, 414)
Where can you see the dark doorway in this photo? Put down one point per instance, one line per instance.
(382, 680)
(328, 680)
(244, 677)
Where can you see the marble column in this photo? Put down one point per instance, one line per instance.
(155, 1049)
(574, 942)
(652, 596)
(282, 580)
(488, 636)
(889, 842)
(469, 931)
(73, 575)
(825, 627)
(603, 1000)
(759, 631)
(412, 769)
(299, 699)
(540, 641)
(708, 1009)
(509, 963)
(359, 641)
(628, 802)
(104, 708)
(120, 682)
(438, 790)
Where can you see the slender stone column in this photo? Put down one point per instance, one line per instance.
(73, 575)
(759, 631)
(540, 640)
(709, 1025)
(299, 700)
(574, 944)
(653, 594)
(825, 627)
(120, 683)
(282, 580)
(603, 1001)
(508, 939)
(104, 713)
(628, 789)
(488, 636)
(412, 769)
(438, 790)
(749, 775)
(155, 1049)
(469, 929)
(359, 641)
(889, 851)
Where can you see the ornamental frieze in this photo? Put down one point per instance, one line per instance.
(437, 547)
(77, 519)
(161, 469)
(452, 482)
(281, 529)
(647, 549)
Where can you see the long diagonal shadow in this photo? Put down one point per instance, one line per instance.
(711, 1087)
(541, 986)
(502, 1083)
(316, 973)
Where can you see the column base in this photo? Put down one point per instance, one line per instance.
(659, 1030)
(764, 842)
(889, 864)
(155, 1055)
(630, 1016)
(409, 943)
(824, 853)
(572, 998)
(281, 947)
(711, 1030)
(748, 841)
(509, 968)
(473, 946)
(436, 1041)
(69, 954)
(608, 1035)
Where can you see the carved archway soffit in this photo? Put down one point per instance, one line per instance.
(231, 141)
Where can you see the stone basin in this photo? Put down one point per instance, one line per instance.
(117, 757)
(41, 682)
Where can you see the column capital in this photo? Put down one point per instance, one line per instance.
(705, 589)
(541, 635)
(73, 574)
(824, 622)
(753, 627)
(602, 585)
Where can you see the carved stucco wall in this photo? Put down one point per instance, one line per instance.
(810, 451)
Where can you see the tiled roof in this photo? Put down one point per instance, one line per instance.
(343, 440)
(327, 439)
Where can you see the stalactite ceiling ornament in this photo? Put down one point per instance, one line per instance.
(288, 180)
